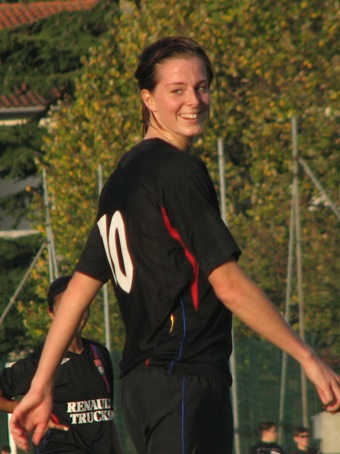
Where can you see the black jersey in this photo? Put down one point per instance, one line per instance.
(158, 236)
(82, 399)
(262, 447)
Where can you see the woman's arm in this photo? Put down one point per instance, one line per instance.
(247, 301)
(33, 412)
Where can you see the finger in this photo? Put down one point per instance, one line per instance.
(330, 399)
(38, 433)
(21, 440)
(18, 432)
(55, 424)
(21, 444)
(59, 427)
(332, 407)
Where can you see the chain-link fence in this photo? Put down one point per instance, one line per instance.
(258, 384)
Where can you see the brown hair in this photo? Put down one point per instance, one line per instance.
(266, 425)
(299, 430)
(160, 51)
(57, 286)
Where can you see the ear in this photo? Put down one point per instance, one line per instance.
(148, 100)
(50, 313)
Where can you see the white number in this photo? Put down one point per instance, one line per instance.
(122, 277)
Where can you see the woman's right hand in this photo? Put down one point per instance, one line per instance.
(31, 416)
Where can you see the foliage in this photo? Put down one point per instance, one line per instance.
(49, 52)
(37, 57)
(15, 258)
(40, 57)
(23, 141)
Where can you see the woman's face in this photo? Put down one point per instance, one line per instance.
(180, 103)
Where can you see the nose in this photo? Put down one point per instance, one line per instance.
(192, 98)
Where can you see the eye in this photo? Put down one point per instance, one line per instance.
(177, 91)
(203, 89)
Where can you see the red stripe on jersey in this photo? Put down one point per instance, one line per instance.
(54, 418)
(176, 236)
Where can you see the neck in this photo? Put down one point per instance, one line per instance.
(179, 142)
(267, 440)
(77, 345)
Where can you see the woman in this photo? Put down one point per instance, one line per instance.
(172, 262)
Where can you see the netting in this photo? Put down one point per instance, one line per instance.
(258, 379)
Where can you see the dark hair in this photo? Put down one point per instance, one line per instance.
(57, 286)
(6, 448)
(160, 51)
(299, 430)
(263, 426)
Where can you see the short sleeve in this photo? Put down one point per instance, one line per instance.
(16, 380)
(93, 261)
(192, 205)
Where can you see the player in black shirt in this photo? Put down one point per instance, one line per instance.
(268, 440)
(160, 240)
(302, 439)
(82, 413)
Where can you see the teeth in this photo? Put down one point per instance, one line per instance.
(189, 116)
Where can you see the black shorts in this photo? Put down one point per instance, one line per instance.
(176, 414)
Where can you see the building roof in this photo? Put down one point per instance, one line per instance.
(25, 104)
(13, 15)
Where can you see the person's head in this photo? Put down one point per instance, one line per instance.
(54, 295)
(301, 437)
(5, 449)
(174, 77)
(268, 431)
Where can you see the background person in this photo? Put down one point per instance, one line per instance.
(5, 449)
(82, 414)
(172, 261)
(268, 440)
(302, 439)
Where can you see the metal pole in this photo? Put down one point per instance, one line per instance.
(220, 149)
(299, 264)
(319, 186)
(287, 317)
(105, 287)
(52, 261)
(222, 179)
(23, 280)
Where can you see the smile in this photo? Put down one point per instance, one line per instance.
(190, 116)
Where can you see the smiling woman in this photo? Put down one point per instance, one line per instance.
(150, 71)
(179, 105)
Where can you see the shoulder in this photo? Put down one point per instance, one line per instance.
(96, 348)
(161, 153)
(31, 358)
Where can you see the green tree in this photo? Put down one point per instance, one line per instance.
(40, 57)
(48, 54)
(15, 258)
